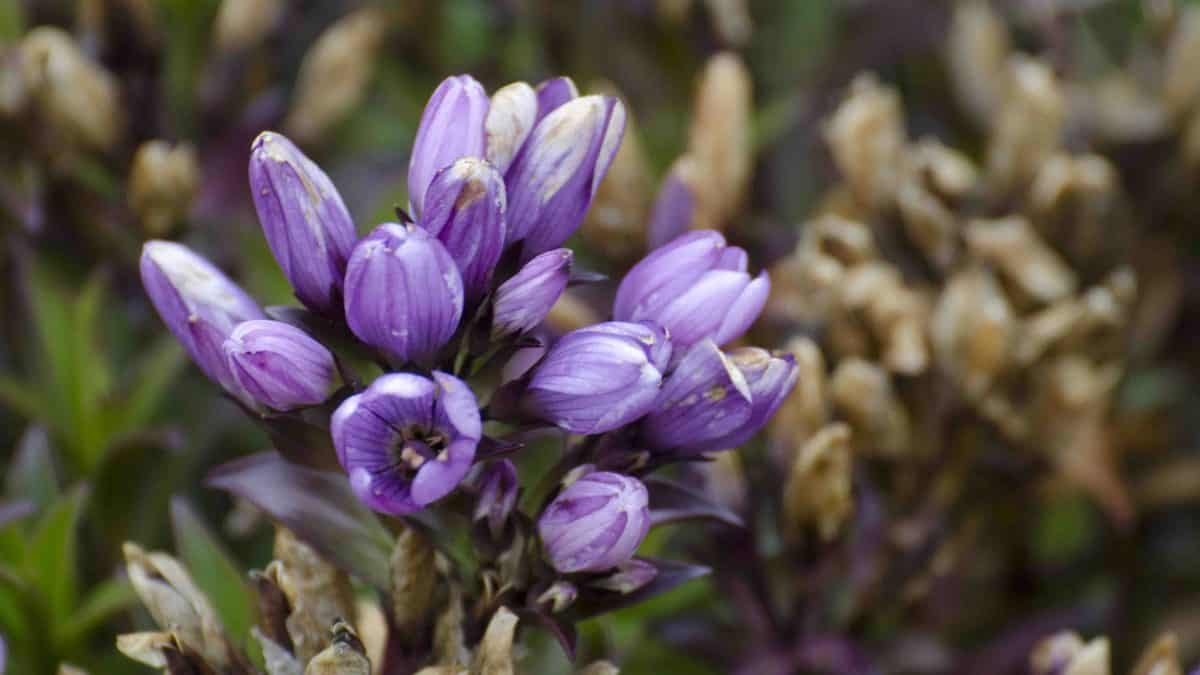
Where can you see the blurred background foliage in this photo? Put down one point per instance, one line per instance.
(106, 431)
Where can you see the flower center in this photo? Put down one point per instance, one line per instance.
(416, 445)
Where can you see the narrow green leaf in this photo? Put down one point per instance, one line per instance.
(106, 599)
(92, 374)
(213, 570)
(153, 375)
(24, 399)
(31, 473)
(51, 556)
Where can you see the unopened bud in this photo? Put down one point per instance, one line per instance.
(818, 487)
(559, 596)
(242, 25)
(162, 182)
(719, 139)
(77, 97)
(414, 578)
(344, 656)
(867, 137)
(494, 655)
(335, 73)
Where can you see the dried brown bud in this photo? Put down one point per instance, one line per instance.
(731, 19)
(978, 47)
(571, 312)
(414, 579)
(1022, 257)
(176, 603)
(78, 98)
(935, 175)
(317, 591)
(719, 139)
(894, 315)
(1180, 85)
(599, 668)
(277, 659)
(1066, 654)
(494, 655)
(805, 283)
(1119, 108)
(1029, 127)
(162, 182)
(862, 391)
(335, 73)
(344, 656)
(818, 487)
(973, 329)
(159, 650)
(806, 409)
(1160, 658)
(449, 643)
(243, 24)
(616, 222)
(867, 138)
(68, 669)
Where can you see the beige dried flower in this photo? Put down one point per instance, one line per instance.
(616, 222)
(1029, 127)
(162, 183)
(973, 330)
(1067, 654)
(344, 656)
(863, 393)
(977, 51)
(935, 176)
(242, 25)
(1160, 658)
(494, 655)
(806, 408)
(818, 487)
(78, 99)
(866, 136)
(731, 19)
(449, 643)
(414, 579)
(318, 593)
(335, 73)
(719, 139)
(1024, 259)
(1182, 61)
(599, 668)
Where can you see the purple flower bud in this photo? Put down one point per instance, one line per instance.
(525, 299)
(304, 219)
(713, 401)
(404, 294)
(595, 523)
(407, 440)
(279, 365)
(696, 287)
(599, 378)
(553, 180)
(511, 117)
(464, 209)
(452, 127)
(198, 303)
(498, 488)
(673, 209)
(553, 93)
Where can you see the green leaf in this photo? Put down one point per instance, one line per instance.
(52, 552)
(155, 371)
(31, 473)
(24, 399)
(106, 599)
(213, 571)
(93, 377)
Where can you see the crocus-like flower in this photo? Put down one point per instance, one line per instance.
(599, 378)
(595, 523)
(674, 206)
(696, 287)
(279, 365)
(525, 299)
(714, 401)
(404, 294)
(498, 489)
(407, 440)
(553, 93)
(510, 119)
(305, 221)
(452, 127)
(553, 179)
(464, 209)
(198, 303)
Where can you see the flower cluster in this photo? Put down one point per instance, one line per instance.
(404, 332)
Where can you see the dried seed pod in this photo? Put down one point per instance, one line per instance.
(719, 139)
(616, 222)
(818, 487)
(894, 314)
(176, 603)
(1119, 108)
(1022, 257)
(863, 393)
(344, 656)
(1160, 658)
(494, 655)
(449, 643)
(414, 579)
(1182, 61)
(806, 409)
(317, 592)
(77, 98)
(242, 25)
(277, 659)
(1029, 127)
(805, 283)
(978, 47)
(1073, 200)
(335, 73)
(162, 182)
(973, 329)
(934, 175)
(867, 138)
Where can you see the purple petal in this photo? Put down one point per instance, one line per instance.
(705, 396)
(596, 523)
(279, 365)
(511, 117)
(553, 94)
(664, 273)
(438, 477)
(673, 211)
(745, 310)
(452, 127)
(525, 299)
(700, 310)
(465, 209)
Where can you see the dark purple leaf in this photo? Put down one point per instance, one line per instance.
(671, 573)
(671, 502)
(318, 506)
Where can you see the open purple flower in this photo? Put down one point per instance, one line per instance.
(452, 127)
(304, 219)
(510, 119)
(198, 303)
(404, 293)
(697, 287)
(599, 378)
(595, 523)
(704, 398)
(279, 365)
(407, 440)
(464, 209)
(524, 300)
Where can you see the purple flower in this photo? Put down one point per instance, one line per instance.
(713, 401)
(304, 219)
(628, 577)
(407, 440)
(673, 208)
(599, 378)
(595, 523)
(198, 303)
(553, 179)
(404, 294)
(464, 209)
(524, 300)
(553, 93)
(498, 489)
(452, 127)
(279, 365)
(510, 119)
(696, 287)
